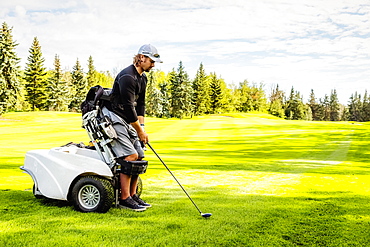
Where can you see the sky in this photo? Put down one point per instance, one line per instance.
(304, 44)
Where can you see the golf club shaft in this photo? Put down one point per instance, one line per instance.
(174, 177)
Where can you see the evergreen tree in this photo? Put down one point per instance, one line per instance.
(295, 109)
(343, 113)
(10, 87)
(36, 81)
(58, 99)
(314, 107)
(79, 87)
(301, 110)
(366, 108)
(165, 97)
(289, 108)
(175, 95)
(334, 106)
(92, 74)
(277, 103)
(319, 111)
(153, 106)
(181, 93)
(215, 93)
(224, 102)
(325, 104)
(355, 107)
(359, 108)
(201, 99)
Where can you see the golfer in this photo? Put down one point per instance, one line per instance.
(126, 111)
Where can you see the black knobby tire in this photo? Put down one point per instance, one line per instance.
(92, 194)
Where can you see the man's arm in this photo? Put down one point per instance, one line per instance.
(140, 131)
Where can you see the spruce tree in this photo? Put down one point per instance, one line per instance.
(165, 99)
(295, 108)
(289, 107)
(215, 93)
(301, 111)
(181, 93)
(79, 87)
(92, 74)
(187, 93)
(319, 111)
(326, 108)
(36, 81)
(334, 106)
(225, 102)
(10, 86)
(153, 98)
(314, 106)
(358, 108)
(58, 99)
(366, 108)
(201, 99)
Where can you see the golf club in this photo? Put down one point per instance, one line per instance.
(205, 215)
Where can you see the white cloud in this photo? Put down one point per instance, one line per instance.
(306, 44)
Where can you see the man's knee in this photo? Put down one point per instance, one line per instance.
(132, 157)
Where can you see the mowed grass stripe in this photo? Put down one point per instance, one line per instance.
(267, 181)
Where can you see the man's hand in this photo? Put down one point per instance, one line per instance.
(143, 136)
(140, 132)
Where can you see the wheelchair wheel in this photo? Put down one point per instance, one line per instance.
(92, 194)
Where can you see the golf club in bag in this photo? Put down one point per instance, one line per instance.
(205, 215)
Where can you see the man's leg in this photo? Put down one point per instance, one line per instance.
(127, 180)
(123, 146)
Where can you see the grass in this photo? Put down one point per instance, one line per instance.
(267, 182)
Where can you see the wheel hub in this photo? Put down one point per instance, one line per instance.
(89, 196)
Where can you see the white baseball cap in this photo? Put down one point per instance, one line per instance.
(150, 51)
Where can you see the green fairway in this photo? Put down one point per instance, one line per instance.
(267, 182)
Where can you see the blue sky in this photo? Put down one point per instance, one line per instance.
(306, 44)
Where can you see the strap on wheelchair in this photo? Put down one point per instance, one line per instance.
(132, 167)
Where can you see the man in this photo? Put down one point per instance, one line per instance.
(127, 114)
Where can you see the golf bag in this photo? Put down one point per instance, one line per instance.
(102, 134)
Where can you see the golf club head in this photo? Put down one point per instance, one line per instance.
(206, 215)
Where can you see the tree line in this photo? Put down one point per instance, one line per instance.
(171, 94)
(35, 87)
